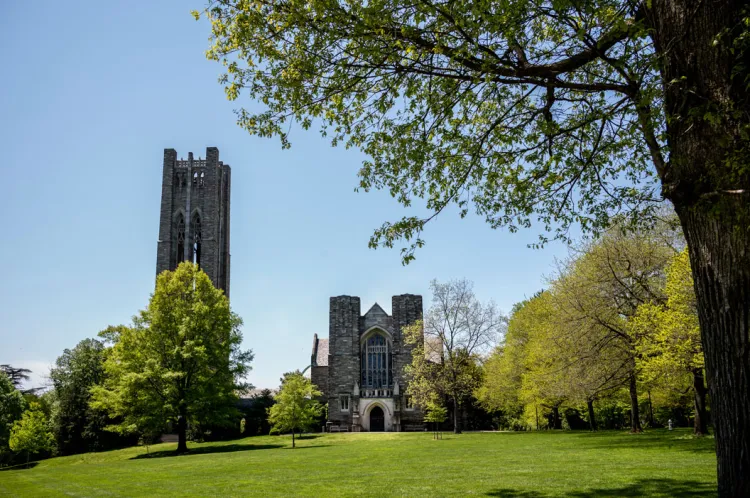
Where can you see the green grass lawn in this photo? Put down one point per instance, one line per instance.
(529, 465)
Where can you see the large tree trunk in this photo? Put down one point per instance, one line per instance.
(592, 416)
(699, 390)
(182, 432)
(721, 269)
(456, 416)
(708, 180)
(556, 421)
(635, 415)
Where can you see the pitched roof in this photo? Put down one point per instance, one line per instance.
(376, 309)
(321, 353)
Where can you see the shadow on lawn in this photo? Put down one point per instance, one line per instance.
(227, 448)
(682, 440)
(641, 487)
(22, 466)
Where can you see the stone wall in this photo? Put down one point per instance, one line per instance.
(193, 187)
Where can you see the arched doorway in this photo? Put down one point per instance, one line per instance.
(377, 419)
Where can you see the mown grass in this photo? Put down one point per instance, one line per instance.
(529, 465)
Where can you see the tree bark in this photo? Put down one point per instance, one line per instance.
(592, 416)
(456, 417)
(650, 411)
(182, 432)
(708, 180)
(700, 427)
(556, 422)
(635, 416)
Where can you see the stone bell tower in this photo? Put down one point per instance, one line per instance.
(194, 222)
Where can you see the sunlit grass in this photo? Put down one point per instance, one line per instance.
(657, 463)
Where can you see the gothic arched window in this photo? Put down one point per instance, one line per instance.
(197, 239)
(200, 183)
(376, 363)
(180, 238)
(195, 178)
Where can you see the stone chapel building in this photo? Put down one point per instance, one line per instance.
(359, 368)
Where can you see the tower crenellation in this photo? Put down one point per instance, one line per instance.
(194, 221)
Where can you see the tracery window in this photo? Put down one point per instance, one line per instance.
(197, 239)
(180, 238)
(344, 403)
(376, 363)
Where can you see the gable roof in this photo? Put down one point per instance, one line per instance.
(376, 310)
(320, 352)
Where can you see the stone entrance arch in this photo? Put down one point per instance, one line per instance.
(377, 419)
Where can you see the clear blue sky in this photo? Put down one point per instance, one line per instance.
(91, 94)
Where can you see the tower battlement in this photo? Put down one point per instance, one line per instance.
(194, 221)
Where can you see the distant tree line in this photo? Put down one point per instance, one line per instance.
(614, 341)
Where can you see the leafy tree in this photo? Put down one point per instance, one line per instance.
(296, 407)
(564, 112)
(435, 413)
(16, 375)
(12, 406)
(455, 331)
(670, 346)
(180, 362)
(600, 292)
(78, 426)
(31, 434)
(256, 415)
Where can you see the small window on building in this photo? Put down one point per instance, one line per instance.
(409, 403)
(344, 403)
(200, 182)
(195, 178)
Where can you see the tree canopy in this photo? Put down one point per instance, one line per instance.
(556, 112)
(180, 362)
(296, 408)
(31, 433)
(12, 406)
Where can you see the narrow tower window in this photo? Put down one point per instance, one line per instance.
(195, 178)
(197, 238)
(180, 239)
(376, 363)
(200, 183)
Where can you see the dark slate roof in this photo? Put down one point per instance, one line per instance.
(321, 358)
(376, 309)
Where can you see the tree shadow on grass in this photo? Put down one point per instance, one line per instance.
(641, 487)
(22, 466)
(203, 450)
(683, 441)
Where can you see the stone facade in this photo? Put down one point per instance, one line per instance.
(194, 222)
(362, 377)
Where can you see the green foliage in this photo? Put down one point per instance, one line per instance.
(32, 433)
(511, 107)
(78, 426)
(595, 329)
(296, 408)
(181, 358)
(434, 412)
(12, 406)
(670, 342)
(256, 416)
(16, 375)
